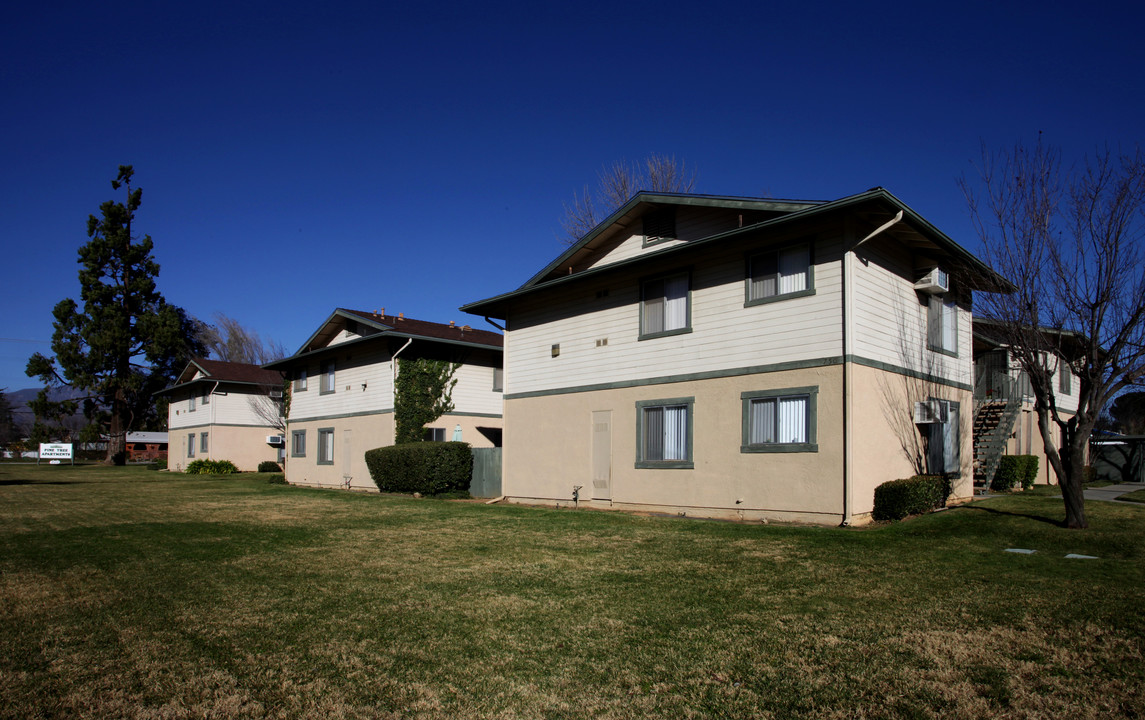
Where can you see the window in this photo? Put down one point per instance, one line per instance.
(326, 446)
(779, 275)
(944, 440)
(942, 325)
(191, 403)
(1065, 380)
(435, 434)
(659, 225)
(206, 397)
(665, 307)
(779, 420)
(203, 443)
(327, 377)
(300, 380)
(191, 445)
(498, 380)
(298, 443)
(664, 433)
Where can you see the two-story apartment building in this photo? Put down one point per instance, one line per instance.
(224, 411)
(1005, 420)
(342, 391)
(742, 358)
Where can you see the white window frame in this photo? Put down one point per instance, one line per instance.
(758, 404)
(658, 310)
(677, 435)
(791, 270)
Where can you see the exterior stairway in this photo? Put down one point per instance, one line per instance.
(994, 417)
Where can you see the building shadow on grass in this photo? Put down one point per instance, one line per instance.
(994, 511)
(35, 482)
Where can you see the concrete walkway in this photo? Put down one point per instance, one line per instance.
(1112, 492)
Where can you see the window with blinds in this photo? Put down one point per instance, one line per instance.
(665, 306)
(779, 274)
(779, 420)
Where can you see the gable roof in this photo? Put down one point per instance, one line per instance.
(877, 204)
(374, 325)
(221, 371)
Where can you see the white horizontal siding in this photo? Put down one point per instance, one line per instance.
(234, 408)
(474, 391)
(725, 335)
(890, 317)
(370, 368)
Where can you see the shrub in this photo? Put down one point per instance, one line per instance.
(160, 463)
(896, 499)
(269, 466)
(430, 468)
(1011, 470)
(1031, 471)
(152, 466)
(211, 467)
(277, 479)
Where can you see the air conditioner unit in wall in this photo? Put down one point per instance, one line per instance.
(934, 282)
(275, 394)
(275, 439)
(929, 411)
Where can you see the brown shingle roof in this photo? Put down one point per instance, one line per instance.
(424, 328)
(238, 372)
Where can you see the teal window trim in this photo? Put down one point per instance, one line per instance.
(297, 443)
(300, 380)
(687, 327)
(325, 445)
(191, 445)
(685, 464)
(749, 271)
(935, 325)
(812, 394)
(951, 463)
(327, 383)
(1065, 381)
(203, 440)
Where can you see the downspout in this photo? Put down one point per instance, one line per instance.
(211, 438)
(394, 384)
(848, 365)
(494, 324)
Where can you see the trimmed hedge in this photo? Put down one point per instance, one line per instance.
(269, 466)
(1015, 470)
(211, 467)
(429, 468)
(896, 499)
(277, 479)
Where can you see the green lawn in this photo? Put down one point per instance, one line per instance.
(126, 593)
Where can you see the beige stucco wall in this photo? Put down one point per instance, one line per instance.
(544, 460)
(366, 433)
(245, 446)
(1026, 439)
(885, 436)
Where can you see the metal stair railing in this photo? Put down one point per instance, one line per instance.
(990, 443)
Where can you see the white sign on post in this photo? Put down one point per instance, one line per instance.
(55, 451)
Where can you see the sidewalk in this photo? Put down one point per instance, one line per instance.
(1112, 492)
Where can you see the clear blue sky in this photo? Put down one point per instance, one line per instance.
(297, 157)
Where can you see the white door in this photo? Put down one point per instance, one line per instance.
(602, 455)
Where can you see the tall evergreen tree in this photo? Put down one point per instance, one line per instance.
(125, 342)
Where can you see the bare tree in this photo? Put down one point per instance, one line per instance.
(271, 405)
(228, 340)
(1071, 242)
(616, 184)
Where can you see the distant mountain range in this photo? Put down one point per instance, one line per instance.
(19, 400)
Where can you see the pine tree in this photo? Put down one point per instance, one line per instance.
(125, 341)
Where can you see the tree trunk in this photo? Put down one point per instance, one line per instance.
(117, 432)
(1072, 494)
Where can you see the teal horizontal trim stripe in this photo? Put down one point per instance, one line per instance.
(878, 365)
(209, 425)
(736, 372)
(688, 377)
(387, 411)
